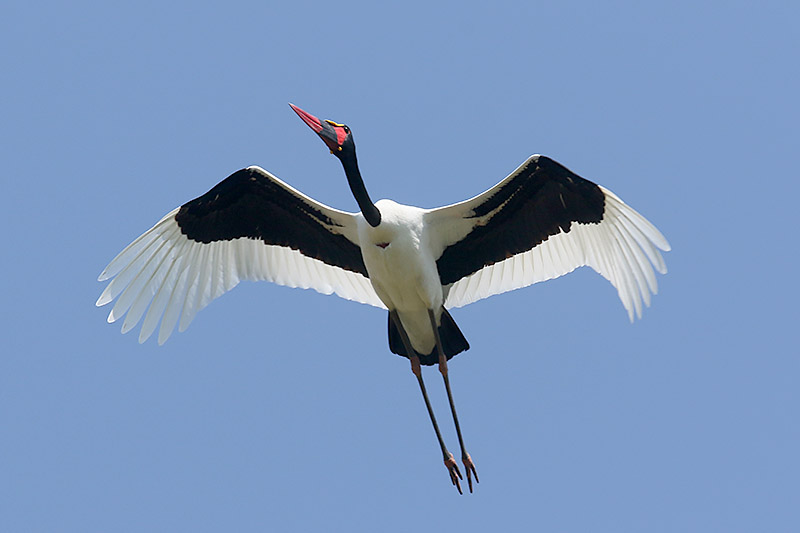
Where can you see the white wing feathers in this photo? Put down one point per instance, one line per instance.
(165, 276)
(623, 248)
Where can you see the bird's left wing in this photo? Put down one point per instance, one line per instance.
(541, 222)
(250, 226)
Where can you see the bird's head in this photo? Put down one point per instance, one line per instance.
(337, 137)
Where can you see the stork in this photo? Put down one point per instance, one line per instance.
(539, 223)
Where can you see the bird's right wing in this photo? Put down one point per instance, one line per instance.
(250, 226)
(539, 223)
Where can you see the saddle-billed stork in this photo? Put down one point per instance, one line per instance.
(540, 222)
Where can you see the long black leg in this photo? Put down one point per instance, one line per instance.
(469, 466)
(449, 460)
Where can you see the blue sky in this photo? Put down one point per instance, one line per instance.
(282, 409)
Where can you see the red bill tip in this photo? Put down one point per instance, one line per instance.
(313, 122)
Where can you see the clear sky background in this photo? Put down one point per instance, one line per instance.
(282, 409)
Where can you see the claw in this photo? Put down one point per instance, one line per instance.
(455, 473)
(469, 466)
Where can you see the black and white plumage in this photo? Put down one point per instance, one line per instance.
(252, 226)
(540, 222)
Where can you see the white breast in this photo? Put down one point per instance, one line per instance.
(402, 269)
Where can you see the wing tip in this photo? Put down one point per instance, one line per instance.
(256, 168)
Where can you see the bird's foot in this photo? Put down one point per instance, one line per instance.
(455, 473)
(469, 466)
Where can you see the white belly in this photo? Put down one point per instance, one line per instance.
(402, 271)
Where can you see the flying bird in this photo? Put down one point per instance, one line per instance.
(539, 223)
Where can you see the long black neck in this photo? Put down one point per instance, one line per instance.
(368, 209)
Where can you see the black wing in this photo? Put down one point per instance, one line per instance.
(539, 223)
(542, 198)
(252, 203)
(251, 226)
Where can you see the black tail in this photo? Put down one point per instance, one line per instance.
(453, 341)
